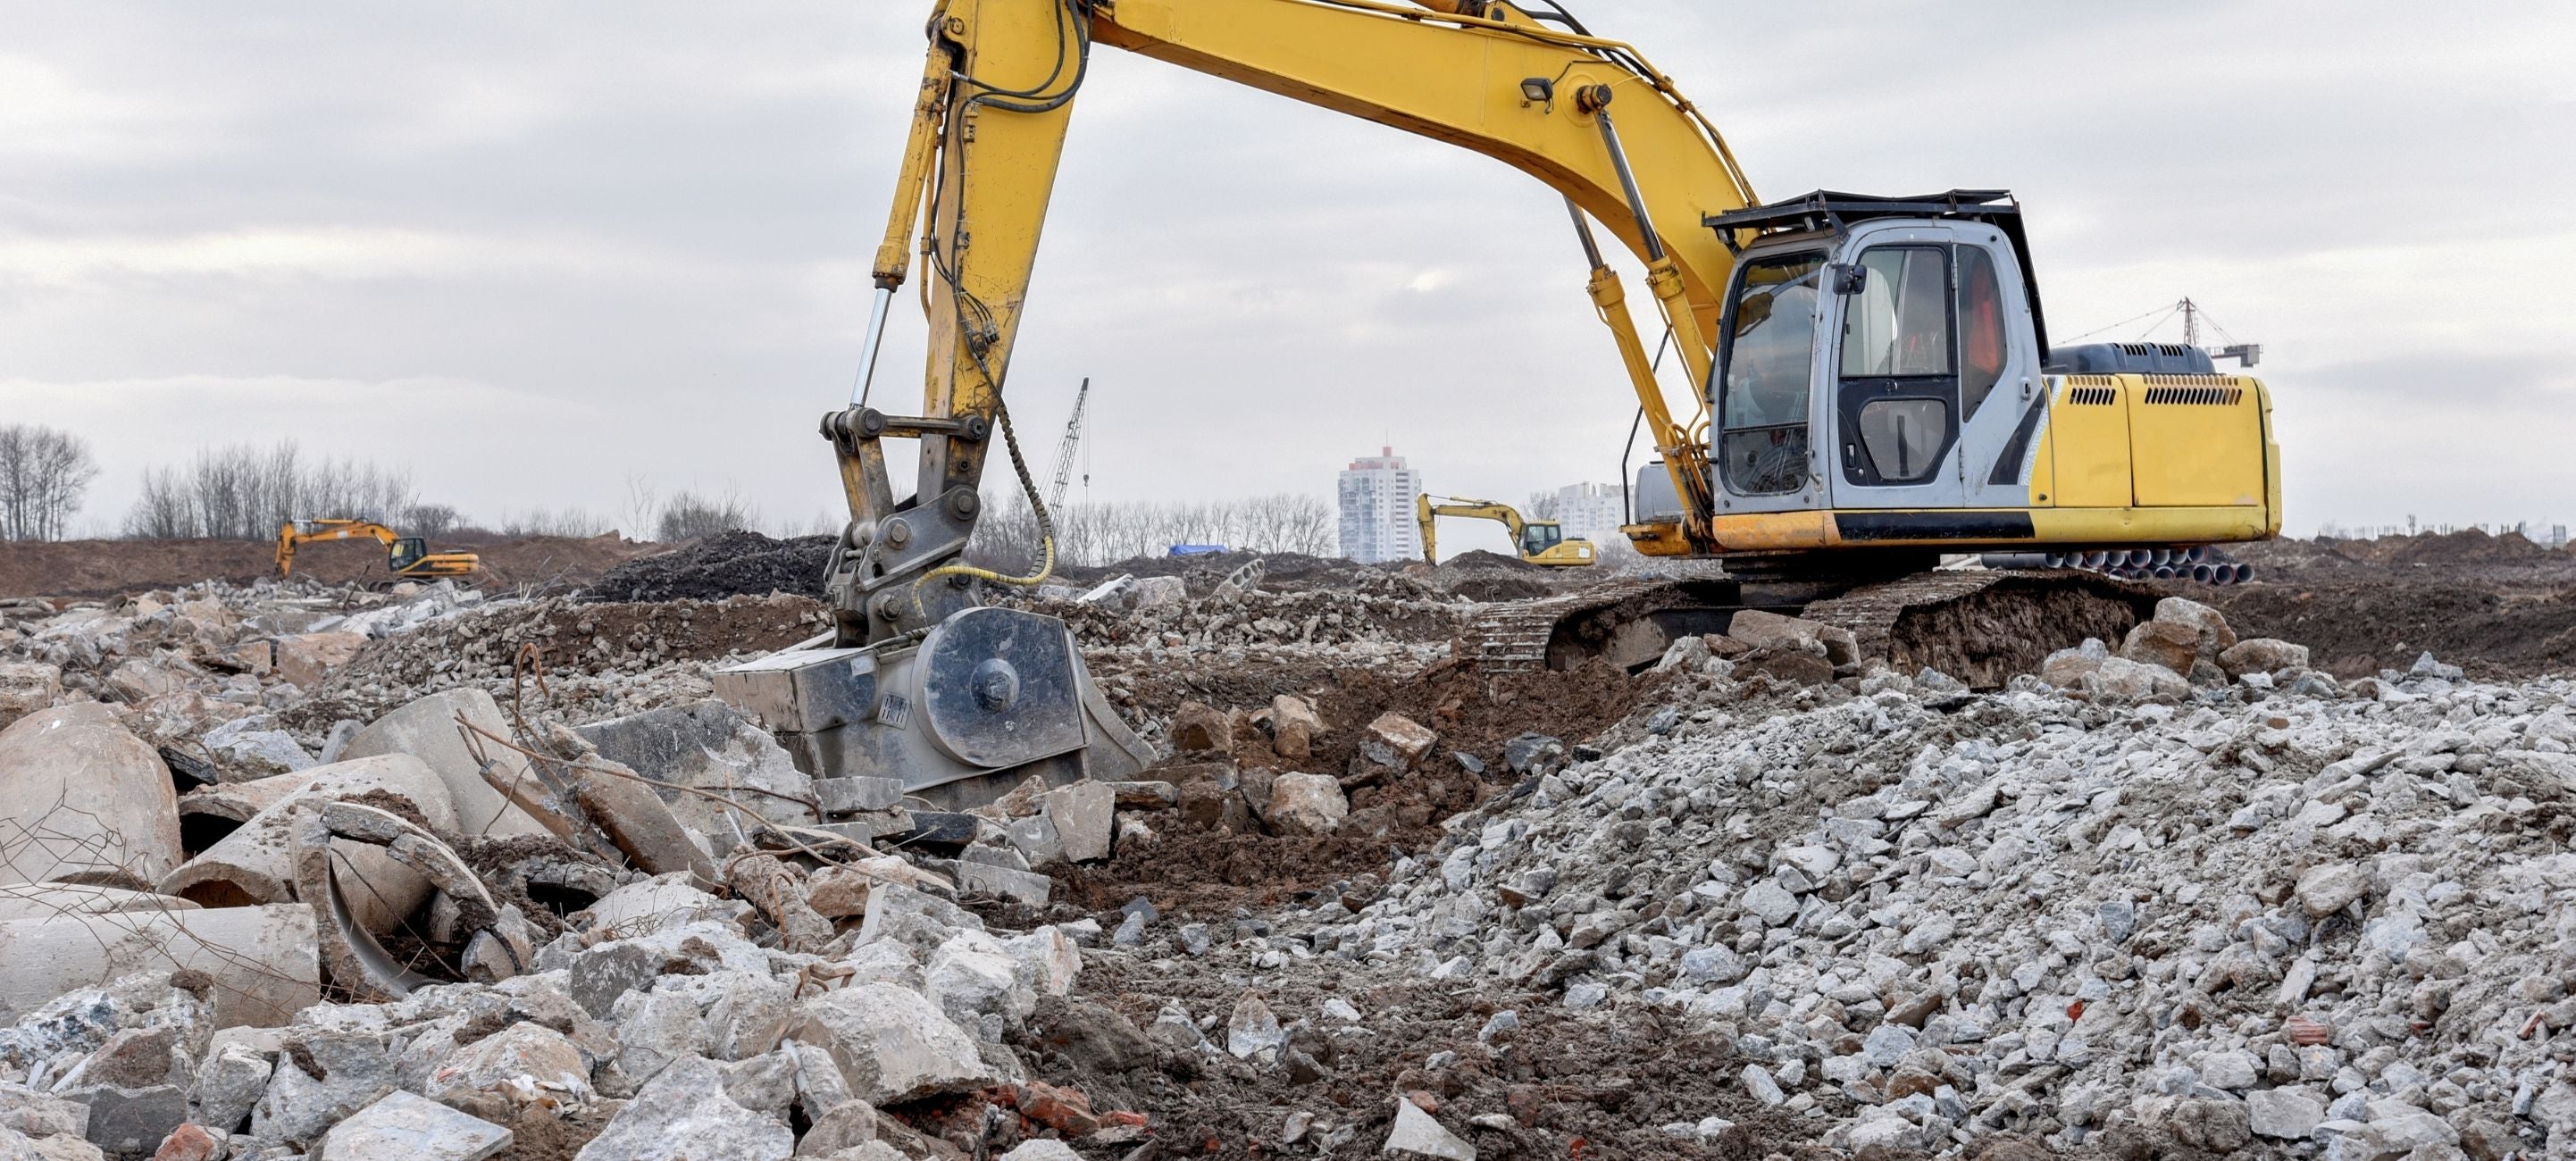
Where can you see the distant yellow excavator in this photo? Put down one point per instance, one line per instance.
(408, 556)
(1536, 541)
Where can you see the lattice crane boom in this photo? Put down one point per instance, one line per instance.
(1064, 448)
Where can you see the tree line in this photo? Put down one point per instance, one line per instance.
(245, 491)
(1097, 534)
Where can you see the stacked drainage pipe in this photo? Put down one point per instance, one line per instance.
(2202, 565)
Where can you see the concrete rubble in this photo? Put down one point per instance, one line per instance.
(2174, 892)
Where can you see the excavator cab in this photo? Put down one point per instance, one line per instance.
(1538, 536)
(1878, 383)
(405, 552)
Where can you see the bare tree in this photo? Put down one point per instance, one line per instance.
(434, 521)
(1541, 506)
(242, 492)
(690, 515)
(44, 476)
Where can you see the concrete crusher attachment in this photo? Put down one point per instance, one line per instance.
(985, 699)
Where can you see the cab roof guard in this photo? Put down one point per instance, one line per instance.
(1837, 211)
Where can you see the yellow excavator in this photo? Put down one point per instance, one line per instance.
(408, 557)
(1871, 383)
(1535, 541)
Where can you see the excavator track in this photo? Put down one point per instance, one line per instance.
(1628, 622)
(1979, 626)
(1982, 627)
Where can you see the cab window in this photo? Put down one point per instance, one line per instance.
(1981, 327)
(1899, 323)
(1538, 538)
(1770, 334)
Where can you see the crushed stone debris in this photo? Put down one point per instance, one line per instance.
(2177, 893)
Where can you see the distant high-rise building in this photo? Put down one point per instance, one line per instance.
(1377, 499)
(1591, 512)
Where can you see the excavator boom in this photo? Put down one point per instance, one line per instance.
(1832, 425)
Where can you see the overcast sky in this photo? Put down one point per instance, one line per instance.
(536, 252)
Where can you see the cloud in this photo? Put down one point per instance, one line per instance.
(530, 252)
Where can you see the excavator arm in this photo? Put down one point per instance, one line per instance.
(1585, 115)
(1426, 512)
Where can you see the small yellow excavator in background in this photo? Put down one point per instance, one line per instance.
(408, 556)
(1534, 541)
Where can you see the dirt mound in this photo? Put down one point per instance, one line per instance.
(103, 568)
(2469, 546)
(731, 565)
(1473, 713)
(2358, 629)
(1607, 1082)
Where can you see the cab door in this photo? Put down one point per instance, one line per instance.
(1894, 395)
(2002, 402)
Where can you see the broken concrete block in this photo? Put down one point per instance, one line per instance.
(93, 802)
(26, 687)
(2170, 644)
(133, 1058)
(305, 659)
(654, 1029)
(710, 746)
(1047, 959)
(1042, 1149)
(2206, 623)
(973, 974)
(2119, 679)
(228, 1084)
(404, 1127)
(657, 903)
(1759, 629)
(1294, 726)
(1036, 839)
(855, 795)
(891, 1044)
(250, 750)
(427, 729)
(191, 1142)
(41, 1115)
(1306, 804)
(778, 890)
(1145, 795)
(2262, 655)
(1409, 739)
(1082, 814)
(685, 1115)
(1025, 887)
(846, 1132)
(1197, 727)
(262, 961)
(129, 1121)
(323, 1077)
(637, 820)
(502, 1073)
(37, 900)
(1534, 753)
(255, 863)
(1416, 1133)
(1252, 1029)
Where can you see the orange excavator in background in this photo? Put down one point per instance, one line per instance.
(408, 557)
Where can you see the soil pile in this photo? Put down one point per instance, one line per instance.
(734, 564)
(103, 568)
